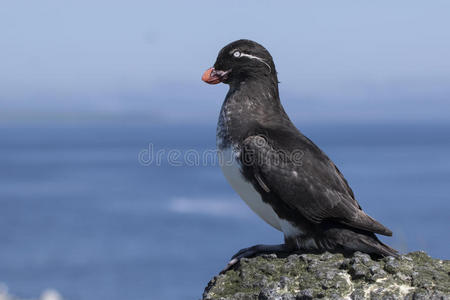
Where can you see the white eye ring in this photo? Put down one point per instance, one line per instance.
(237, 54)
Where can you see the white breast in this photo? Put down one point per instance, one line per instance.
(231, 170)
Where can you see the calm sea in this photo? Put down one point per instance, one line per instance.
(120, 211)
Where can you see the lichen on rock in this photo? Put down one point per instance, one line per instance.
(412, 276)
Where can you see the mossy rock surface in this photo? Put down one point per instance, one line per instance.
(332, 276)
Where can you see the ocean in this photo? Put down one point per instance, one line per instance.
(134, 210)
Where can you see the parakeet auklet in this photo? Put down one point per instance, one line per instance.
(281, 174)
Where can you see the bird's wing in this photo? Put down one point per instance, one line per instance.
(304, 178)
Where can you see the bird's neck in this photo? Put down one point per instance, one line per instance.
(248, 106)
(254, 97)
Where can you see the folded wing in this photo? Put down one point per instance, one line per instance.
(305, 179)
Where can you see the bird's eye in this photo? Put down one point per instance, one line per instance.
(237, 54)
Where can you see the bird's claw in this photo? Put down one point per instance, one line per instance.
(230, 265)
(243, 253)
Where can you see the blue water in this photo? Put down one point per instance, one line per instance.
(79, 213)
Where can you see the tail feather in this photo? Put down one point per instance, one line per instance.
(365, 222)
(378, 247)
(351, 240)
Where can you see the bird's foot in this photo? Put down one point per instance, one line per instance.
(257, 250)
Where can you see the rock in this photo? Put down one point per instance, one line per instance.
(414, 276)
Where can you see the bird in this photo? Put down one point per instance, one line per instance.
(281, 174)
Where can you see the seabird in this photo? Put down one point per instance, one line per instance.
(282, 175)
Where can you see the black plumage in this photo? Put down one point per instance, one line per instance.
(289, 172)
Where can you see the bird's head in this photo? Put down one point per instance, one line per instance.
(240, 61)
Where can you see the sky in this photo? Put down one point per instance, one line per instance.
(346, 60)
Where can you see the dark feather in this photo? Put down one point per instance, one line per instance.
(304, 178)
(292, 175)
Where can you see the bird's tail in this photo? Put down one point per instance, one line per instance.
(375, 246)
(350, 240)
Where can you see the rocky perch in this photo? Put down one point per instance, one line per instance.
(332, 276)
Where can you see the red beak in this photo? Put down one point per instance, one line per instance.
(213, 76)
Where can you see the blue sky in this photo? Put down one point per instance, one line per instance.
(358, 60)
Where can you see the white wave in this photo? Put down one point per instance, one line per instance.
(225, 207)
(49, 294)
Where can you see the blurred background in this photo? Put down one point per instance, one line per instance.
(87, 87)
